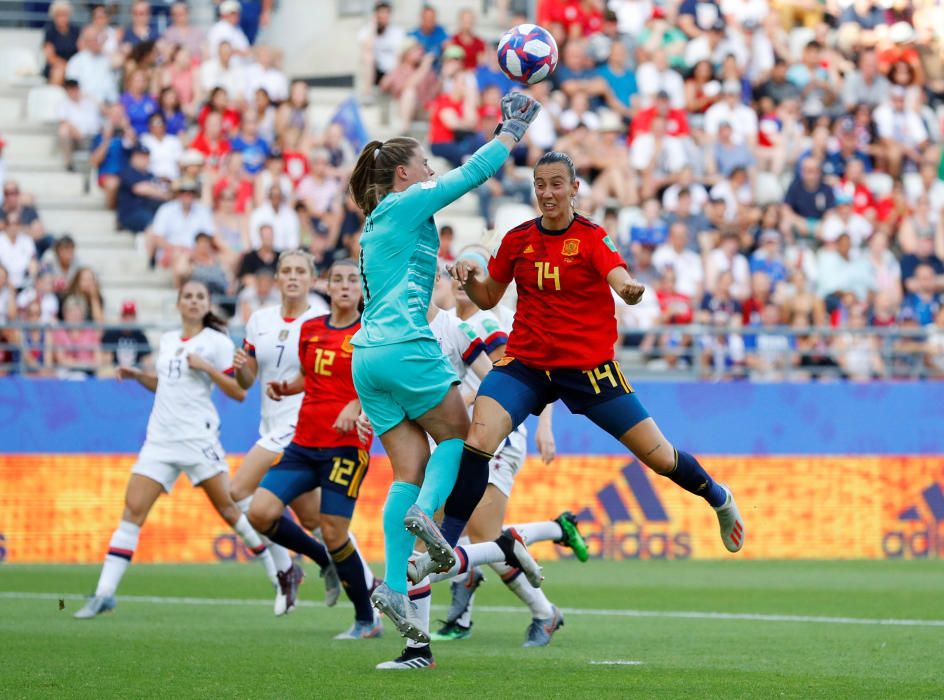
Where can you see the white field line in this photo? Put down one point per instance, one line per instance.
(503, 609)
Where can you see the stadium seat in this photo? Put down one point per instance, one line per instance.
(42, 103)
(767, 189)
(880, 183)
(17, 63)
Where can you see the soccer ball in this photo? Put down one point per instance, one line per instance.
(527, 54)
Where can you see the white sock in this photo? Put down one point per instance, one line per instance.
(253, 541)
(279, 556)
(368, 574)
(420, 596)
(533, 597)
(470, 556)
(465, 619)
(539, 532)
(120, 550)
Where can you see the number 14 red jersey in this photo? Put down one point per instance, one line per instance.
(566, 317)
(325, 356)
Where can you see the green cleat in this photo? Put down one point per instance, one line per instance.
(451, 631)
(572, 537)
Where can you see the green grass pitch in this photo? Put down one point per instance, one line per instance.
(763, 644)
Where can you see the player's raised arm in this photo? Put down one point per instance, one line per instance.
(628, 289)
(227, 383)
(484, 290)
(146, 379)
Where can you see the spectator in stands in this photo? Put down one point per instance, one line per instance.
(412, 83)
(265, 74)
(884, 267)
(293, 113)
(278, 213)
(7, 297)
(91, 68)
(204, 264)
(923, 300)
(139, 193)
(181, 75)
(258, 295)
(264, 256)
(697, 16)
(473, 46)
(17, 252)
(61, 263)
(139, 104)
(321, 194)
(35, 353)
(843, 219)
(902, 133)
(858, 354)
(226, 71)
(686, 265)
(176, 225)
(253, 148)
(815, 81)
(839, 270)
(807, 201)
(253, 15)
(676, 309)
(928, 250)
(76, 352)
(730, 109)
(181, 33)
(770, 355)
(41, 291)
(60, 41)
(24, 217)
(380, 43)
(169, 107)
(227, 29)
(85, 286)
(430, 34)
(725, 259)
(141, 30)
(126, 345)
(230, 227)
(79, 121)
(934, 354)
(165, 149)
(211, 142)
(108, 151)
(720, 306)
(866, 85)
(658, 157)
(218, 103)
(101, 22)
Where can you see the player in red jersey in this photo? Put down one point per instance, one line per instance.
(561, 344)
(326, 452)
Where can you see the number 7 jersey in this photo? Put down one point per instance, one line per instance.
(325, 353)
(566, 318)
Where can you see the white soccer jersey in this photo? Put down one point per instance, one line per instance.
(492, 327)
(274, 342)
(182, 406)
(459, 341)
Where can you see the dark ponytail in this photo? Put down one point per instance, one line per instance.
(372, 178)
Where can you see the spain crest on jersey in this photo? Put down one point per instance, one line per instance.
(283, 335)
(346, 345)
(571, 246)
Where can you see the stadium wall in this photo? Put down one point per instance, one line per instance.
(820, 470)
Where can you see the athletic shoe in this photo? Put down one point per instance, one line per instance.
(540, 631)
(412, 659)
(732, 527)
(421, 525)
(96, 605)
(451, 631)
(396, 606)
(364, 630)
(332, 584)
(462, 592)
(572, 537)
(287, 593)
(517, 555)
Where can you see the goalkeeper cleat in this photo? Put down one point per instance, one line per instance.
(96, 605)
(517, 555)
(363, 630)
(412, 659)
(397, 606)
(732, 526)
(572, 537)
(332, 584)
(462, 592)
(540, 631)
(421, 525)
(451, 631)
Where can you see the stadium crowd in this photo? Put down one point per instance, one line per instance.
(765, 165)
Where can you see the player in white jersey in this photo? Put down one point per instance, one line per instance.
(182, 435)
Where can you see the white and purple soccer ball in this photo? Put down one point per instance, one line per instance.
(527, 54)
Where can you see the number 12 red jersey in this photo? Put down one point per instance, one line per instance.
(566, 317)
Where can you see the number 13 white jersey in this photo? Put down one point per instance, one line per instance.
(273, 340)
(182, 406)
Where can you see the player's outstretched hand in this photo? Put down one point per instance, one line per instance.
(240, 359)
(347, 418)
(631, 291)
(518, 111)
(276, 390)
(364, 428)
(194, 361)
(127, 373)
(465, 270)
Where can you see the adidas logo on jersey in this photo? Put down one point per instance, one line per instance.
(629, 521)
(921, 533)
(528, 249)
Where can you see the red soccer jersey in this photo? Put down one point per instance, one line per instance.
(325, 355)
(566, 316)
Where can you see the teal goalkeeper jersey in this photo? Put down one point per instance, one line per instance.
(399, 248)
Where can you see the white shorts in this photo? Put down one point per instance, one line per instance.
(163, 462)
(507, 462)
(277, 439)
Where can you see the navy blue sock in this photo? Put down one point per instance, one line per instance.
(692, 477)
(466, 494)
(287, 533)
(351, 572)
